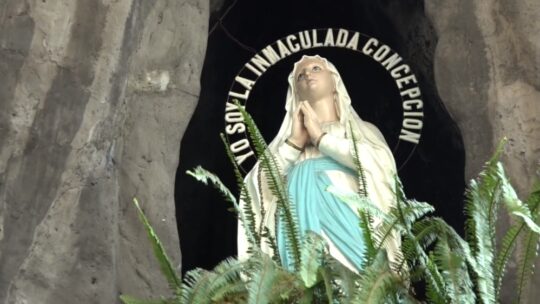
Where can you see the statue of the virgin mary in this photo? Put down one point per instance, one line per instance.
(314, 149)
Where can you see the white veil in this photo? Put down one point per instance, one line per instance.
(375, 156)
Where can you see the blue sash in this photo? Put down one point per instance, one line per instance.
(319, 210)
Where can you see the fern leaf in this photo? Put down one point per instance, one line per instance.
(204, 176)
(226, 280)
(327, 280)
(459, 286)
(378, 284)
(275, 184)
(232, 293)
(509, 241)
(196, 282)
(268, 282)
(247, 214)
(271, 241)
(513, 203)
(362, 183)
(366, 228)
(345, 282)
(526, 262)
(482, 200)
(401, 219)
(357, 202)
(530, 247)
(312, 258)
(164, 262)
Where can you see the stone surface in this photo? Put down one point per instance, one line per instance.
(487, 71)
(95, 97)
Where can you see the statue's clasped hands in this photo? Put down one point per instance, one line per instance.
(305, 125)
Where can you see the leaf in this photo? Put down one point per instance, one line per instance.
(227, 279)
(483, 198)
(246, 214)
(205, 176)
(526, 263)
(312, 257)
(367, 231)
(362, 183)
(357, 202)
(459, 287)
(197, 282)
(378, 284)
(276, 184)
(530, 241)
(508, 244)
(513, 203)
(269, 282)
(159, 252)
(344, 280)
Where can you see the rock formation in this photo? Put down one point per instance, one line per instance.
(487, 71)
(95, 97)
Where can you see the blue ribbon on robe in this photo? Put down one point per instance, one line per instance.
(319, 210)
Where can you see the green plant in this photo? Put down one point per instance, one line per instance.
(454, 269)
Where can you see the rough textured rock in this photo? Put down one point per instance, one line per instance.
(487, 71)
(95, 97)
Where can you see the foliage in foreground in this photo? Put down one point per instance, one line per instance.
(453, 269)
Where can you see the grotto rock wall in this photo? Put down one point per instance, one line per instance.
(487, 72)
(95, 97)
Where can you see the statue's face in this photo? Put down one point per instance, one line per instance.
(313, 80)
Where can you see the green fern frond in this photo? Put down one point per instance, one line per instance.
(159, 252)
(378, 284)
(269, 283)
(344, 281)
(413, 247)
(204, 176)
(361, 178)
(435, 286)
(312, 253)
(232, 293)
(483, 198)
(508, 243)
(423, 267)
(247, 214)
(271, 241)
(482, 201)
(327, 280)
(196, 282)
(432, 228)
(530, 243)
(459, 287)
(366, 228)
(526, 262)
(357, 202)
(426, 231)
(275, 184)
(512, 203)
(401, 219)
(408, 210)
(226, 280)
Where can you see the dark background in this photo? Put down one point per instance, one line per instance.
(432, 171)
